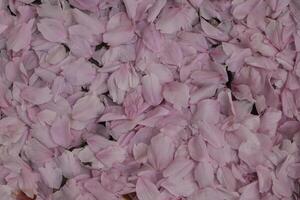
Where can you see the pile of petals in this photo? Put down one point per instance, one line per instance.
(149, 99)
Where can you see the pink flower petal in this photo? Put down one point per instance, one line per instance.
(52, 30)
(146, 190)
(161, 151)
(36, 96)
(176, 93)
(60, 131)
(87, 108)
(151, 89)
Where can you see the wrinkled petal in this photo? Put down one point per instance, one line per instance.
(36, 96)
(21, 37)
(204, 174)
(174, 19)
(52, 30)
(146, 190)
(161, 151)
(151, 89)
(51, 175)
(60, 131)
(176, 93)
(87, 108)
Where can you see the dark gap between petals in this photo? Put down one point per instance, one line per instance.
(95, 62)
(63, 182)
(230, 76)
(67, 48)
(254, 110)
(233, 97)
(89, 164)
(129, 196)
(11, 86)
(11, 12)
(71, 6)
(84, 89)
(2, 115)
(79, 146)
(111, 138)
(215, 45)
(106, 94)
(102, 45)
(37, 2)
(214, 21)
(102, 123)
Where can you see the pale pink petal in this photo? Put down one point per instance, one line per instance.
(97, 142)
(288, 103)
(213, 32)
(152, 89)
(156, 9)
(237, 56)
(197, 148)
(294, 170)
(51, 175)
(163, 73)
(21, 37)
(256, 18)
(85, 4)
(249, 191)
(207, 111)
(36, 96)
(5, 192)
(11, 130)
(264, 178)
(119, 30)
(80, 46)
(98, 191)
(140, 152)
(79, 72)
(269, 121)
(28, 182)
(60, 131)
(212, 193)
(56, 54)
(146, 190)
(176, 93)
(87, 108)
(69, 165)
(212, 134)
(261, 62)
(37, 152)
(171, 53)
(180, 187)
(173, 19)
(131, 6)
(52, 30)
(261, 45)
(226, 178)
(242, 9)
(86, 196)
(205, 77)
(204, 174)
(42, 133)
(152, 38)
(90, 22)
(161, 151)
(282, 187)
(111, 156)
(133, 103)
(179, 167)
